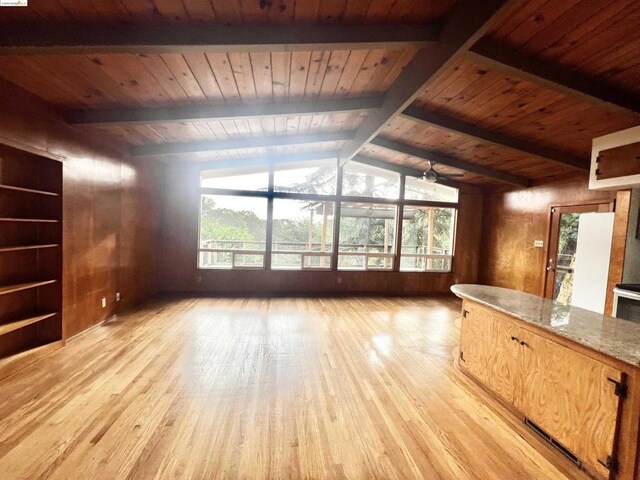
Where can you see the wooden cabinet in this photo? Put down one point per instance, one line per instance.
(475, 340)
(30, 257)
(617, 162)
(487, 352)
(569, 396)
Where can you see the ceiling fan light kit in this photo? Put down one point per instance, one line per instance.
(430, 175)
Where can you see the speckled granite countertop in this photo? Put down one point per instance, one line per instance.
(612, 336)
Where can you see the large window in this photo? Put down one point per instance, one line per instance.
(302, 234)
(365, 181)
(419, 189)
(427, 239)
(366, 236)
(250, 178)
(306, 177)
(315, 215)
(233, 231)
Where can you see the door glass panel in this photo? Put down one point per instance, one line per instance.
(566, 258)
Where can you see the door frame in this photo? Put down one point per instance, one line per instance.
(551, 252)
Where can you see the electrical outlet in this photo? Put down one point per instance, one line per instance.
(104, 302)
(538, 243)
(199, 279)
(117, 296)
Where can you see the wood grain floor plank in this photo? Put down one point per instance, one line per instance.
(265, 388)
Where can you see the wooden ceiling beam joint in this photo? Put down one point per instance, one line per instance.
(468, 21)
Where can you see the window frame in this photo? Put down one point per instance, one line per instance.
(433, 256)
(270, 195)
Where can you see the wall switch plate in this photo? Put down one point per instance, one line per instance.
(118, 297)
(538, 243)
(104, 302)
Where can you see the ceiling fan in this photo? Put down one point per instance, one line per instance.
(431, 175)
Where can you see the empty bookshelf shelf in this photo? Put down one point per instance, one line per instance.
(24, 286)
(32, 220)
(11, 326)
(28, 190)
(18, 248)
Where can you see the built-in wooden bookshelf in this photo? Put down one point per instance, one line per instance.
(30, 257)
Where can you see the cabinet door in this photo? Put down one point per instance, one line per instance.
(489, 348)
(475, 332)
(618, 161)
(572, 397)
(505, 364)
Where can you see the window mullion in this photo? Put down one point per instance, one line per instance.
(268, 247)
(399, 216)
(336, 218)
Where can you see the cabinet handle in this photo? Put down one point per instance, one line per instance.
(515, 338)
(522, 342)
(465, 313)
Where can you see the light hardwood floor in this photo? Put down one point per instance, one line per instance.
(265, 388)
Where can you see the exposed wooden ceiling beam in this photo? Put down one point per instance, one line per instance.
(221, 38)
(184, 148)
(553, 77)
(218, 112)
(258, 160)
(468, 21)
(450, 124)
(401, 169)
(451, 162)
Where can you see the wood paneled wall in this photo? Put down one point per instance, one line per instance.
(180, 239)
(108, 210)
(513, 220)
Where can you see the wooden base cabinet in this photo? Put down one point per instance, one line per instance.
(574, 399)
(487, 352)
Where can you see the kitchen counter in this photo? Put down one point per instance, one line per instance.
(614, 337)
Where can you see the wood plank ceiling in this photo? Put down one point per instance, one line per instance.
(513, 96)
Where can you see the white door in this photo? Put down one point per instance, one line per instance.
(595, 233)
